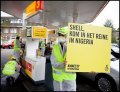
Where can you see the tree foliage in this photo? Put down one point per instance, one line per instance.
(109, 23)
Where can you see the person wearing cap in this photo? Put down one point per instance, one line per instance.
(17, 48)
(10, 72)
(63, 81)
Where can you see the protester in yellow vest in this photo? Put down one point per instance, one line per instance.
(10, 71)
(17, 48)
(63, 81)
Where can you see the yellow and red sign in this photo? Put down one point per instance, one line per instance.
(39, 5)
(34, 7)
(28, 69)
(39, 32)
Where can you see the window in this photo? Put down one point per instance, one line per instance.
(13, 30)
(2, 21)
(5, 30)
(13, 21)
(16, 21)
(20, 21)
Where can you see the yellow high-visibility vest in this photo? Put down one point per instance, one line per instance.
(60, 74)
(9, 68)
(16, 47)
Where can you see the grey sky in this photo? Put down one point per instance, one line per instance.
(111, 11)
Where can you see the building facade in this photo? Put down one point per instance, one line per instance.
(10, 27)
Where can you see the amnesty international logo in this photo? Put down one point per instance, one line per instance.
(106, 68)
(73, 67)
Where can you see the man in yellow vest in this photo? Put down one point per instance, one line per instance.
(17, 48)
(10, 72)
(63, 81)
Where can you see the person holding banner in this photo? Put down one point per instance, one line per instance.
(63, 81)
